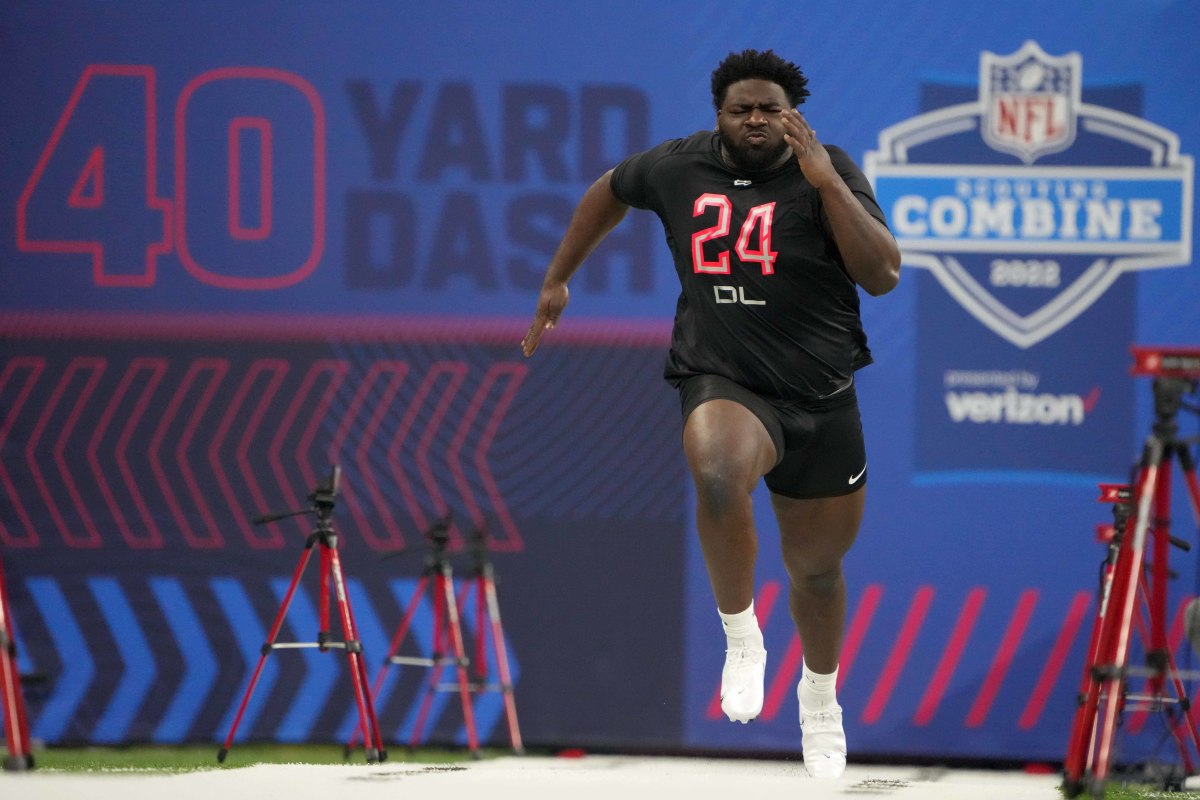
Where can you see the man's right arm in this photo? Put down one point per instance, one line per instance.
(598, 212)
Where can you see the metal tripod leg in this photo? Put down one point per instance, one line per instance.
(392, 656)
(369, 722)
(447, 638)
(1115, 641)
(1103, 698)
(447, 630)
(267, 647)
(487, 607)
(330, 568)
(16, 722)
(1080, 744)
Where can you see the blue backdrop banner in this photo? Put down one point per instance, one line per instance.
(243, 242)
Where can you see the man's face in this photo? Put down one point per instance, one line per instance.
(750, 124)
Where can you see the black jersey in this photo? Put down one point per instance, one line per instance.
(765, 300)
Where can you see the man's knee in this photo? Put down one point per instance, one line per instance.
(817, 583)
(720, 486)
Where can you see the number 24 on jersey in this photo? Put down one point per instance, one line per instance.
(759, 220)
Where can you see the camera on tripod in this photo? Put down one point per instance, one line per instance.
(439, 532)
(325, 493)
(321, 502)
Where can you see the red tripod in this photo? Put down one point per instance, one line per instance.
(448, 643)
(1133, 600)
(330, 568)
(16, 723)
(482, 580)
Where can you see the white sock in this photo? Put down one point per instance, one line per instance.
(742, 625)
(817, 690)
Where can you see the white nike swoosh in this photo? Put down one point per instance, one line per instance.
(740, 182)
(859, 475)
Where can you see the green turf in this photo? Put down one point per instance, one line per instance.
(1119, 790)
(1116, 791)
(194, 757)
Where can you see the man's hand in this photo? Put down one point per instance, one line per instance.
(810, 153)
(551, 302)
(868, 249)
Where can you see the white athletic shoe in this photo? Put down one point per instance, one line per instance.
(742, 680)
(824, 741)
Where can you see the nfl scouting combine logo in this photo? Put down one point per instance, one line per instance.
(1027, 245)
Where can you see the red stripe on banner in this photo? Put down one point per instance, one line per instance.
(785, 679)
(277, 369)
(764, 604)
(174, 326)
(148, 534)
(371, 401)
(219, 368)
(948, 663)
(262, 538)
(386, 514)
(1004, 655)
(857, 630)
(166, 419)
(96, 368)
(34, 368)
(457, 370)
(397, 460)
(512, 541)
(1054, 664)
(899, 655)
(1175, 632)
(334, 372)
(66, 531)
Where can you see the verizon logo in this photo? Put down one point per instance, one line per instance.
(1011, 407)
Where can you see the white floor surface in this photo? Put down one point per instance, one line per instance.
(525, 778)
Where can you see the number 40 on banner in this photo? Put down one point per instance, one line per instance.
(241, 135)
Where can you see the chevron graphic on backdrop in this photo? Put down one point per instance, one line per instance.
(200, 662)
(77, 670)
(294, 693)
(147, 448)
(297, 692)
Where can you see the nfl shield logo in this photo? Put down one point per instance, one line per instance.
(1029, 101)
(1025, 248)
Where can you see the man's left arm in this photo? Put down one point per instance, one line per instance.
(868, 248)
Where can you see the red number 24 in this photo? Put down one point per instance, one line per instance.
(760, 217)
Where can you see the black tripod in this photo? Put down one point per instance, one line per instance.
(323, 535)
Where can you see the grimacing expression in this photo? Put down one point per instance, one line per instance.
(750, 123)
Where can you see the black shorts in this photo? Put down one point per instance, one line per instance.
(820, 448)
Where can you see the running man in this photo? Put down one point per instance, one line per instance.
(772, 233)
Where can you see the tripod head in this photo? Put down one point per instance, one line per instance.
(324, 495)
(1168, 396)
(1176, 373)
(480, 554)
(321, 501)
(438, 533)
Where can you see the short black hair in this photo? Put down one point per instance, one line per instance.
(765, 65)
